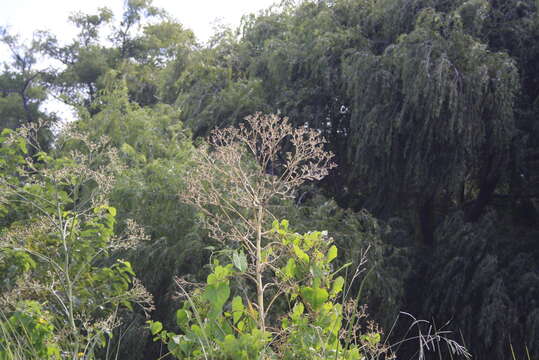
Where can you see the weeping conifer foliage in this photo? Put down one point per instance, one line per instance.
(432, 112)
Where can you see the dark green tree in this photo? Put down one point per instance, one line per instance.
(432, 119)
(23, 87)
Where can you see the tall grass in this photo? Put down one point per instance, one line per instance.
(514, 356)
(429, 339)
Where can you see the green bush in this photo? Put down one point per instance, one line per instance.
(218, 322)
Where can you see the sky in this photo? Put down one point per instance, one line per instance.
(25, 16)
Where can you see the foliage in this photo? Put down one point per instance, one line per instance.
(430, 108)
(140, 49)
(218, 327)
(155, 153)
(429, 91)
(360, 236)
(482, 280)
(23, 86)
(234, 183)
(62, 242)
(27, 334)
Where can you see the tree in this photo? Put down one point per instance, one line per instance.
(432, 117)
(315, 326)
(239, 174)
(154, 150)
(237, 179)
(143, 43)
(85, 60)
(23, 88)
(212, 89)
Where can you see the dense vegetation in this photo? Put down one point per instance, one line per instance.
(429, 108)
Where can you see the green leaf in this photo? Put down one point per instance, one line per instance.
(127, 267)
(182, 318)
(217, 294)
(290, 269)
(332, 253)
(302, 256)
(315, 297)
(112, 210)
(241, 326)
(373, 339)
(240, 261)
(237, 309)
(337, 286)
(310, 239)
(297, 311)
(22, 145)
(155, 327)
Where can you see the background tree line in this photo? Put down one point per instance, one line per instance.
(431, 108)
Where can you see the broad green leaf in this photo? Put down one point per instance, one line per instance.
(155, 327)
(220, 273)
(310, 239)
(112, 210)
(182, 318)
(237, 309)
(289, 270)
(315, 297)
(22, 145)
(302, 256)
(337, 286)
(241, 326)
(217, 294)
(332, 253)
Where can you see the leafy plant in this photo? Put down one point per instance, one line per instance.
(238, 175)
(295, 313)
(27, 333)
(309, 325)
(63, 241)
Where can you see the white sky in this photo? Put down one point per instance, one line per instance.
(25, 16)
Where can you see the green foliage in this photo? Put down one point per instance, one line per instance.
(430, 107)
(155, 154)
(212, 94)
(311, 327)
(56, 254)
(208, 330)
(23, 89)
(141, 48)
(481, 279)
(432, 90)
(359, 236)
(27, 333)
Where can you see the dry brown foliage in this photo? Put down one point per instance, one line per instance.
(240, 171)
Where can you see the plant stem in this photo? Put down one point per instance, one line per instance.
(259, 269)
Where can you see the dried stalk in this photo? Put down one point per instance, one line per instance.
(240, 171)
